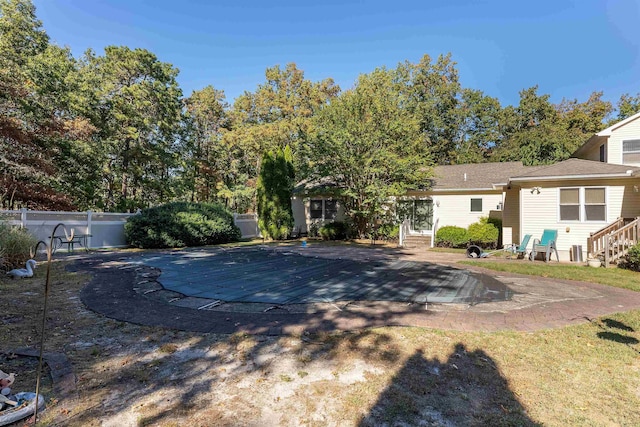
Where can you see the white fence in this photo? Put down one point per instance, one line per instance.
(248, 225)
(106, 230)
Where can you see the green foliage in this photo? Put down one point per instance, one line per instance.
(34, 115)
(314, 229)
(483, 233)
(181, 224)
(111, 131)
(631, 261)
(452, 236)
(336, 230)
(274, 189)
(388, 231)
(15, 246)
(370, 146)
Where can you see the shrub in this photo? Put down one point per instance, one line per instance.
(483, 234)
(451, 236)
(388, 231)
(631, 261)
(336, 230)
(15, 246)
(181, 224)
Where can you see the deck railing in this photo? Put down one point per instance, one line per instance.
(596, 242)
(613, 241)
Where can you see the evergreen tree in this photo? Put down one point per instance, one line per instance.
(274, 187)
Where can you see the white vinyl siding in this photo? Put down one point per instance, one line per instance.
(629, 131)
(454, 209)
(541, 211)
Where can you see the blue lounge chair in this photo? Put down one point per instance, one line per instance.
(546, 244)
(520, 251)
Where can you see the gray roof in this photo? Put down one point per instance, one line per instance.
(315, 186)
(478, 175)
(577, 168)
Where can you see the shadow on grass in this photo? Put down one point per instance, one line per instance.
(467, 389)
(610, 323)
(616, 337)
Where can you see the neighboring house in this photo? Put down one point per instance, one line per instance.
(592, 199)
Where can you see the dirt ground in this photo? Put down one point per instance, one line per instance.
(129, 375)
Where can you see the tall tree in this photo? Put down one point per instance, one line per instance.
(538, 132)
(433, 96)
(478, 127)
(628, 105)
(278, 113)
(136, 106)
(35, 119)
(370, 146)
(204, 156)
(274, 190)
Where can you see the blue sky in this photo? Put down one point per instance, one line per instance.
(570, 48)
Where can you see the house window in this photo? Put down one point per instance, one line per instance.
(583, 204)
(476, 205)
(323, 209)
(315, 209)
(631, 151)
(569, 204)
(330, 209)
(595, 207)
(603, 154)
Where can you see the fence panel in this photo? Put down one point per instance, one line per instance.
(106, 228)
(248, 225)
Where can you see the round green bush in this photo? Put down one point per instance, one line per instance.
(631, 261)
(336, 230)
(483, 234)
(181, 224)
(452, 236)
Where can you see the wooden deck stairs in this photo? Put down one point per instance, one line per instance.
(612, 242)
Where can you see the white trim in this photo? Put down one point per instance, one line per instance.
(608, 131)
(627, 174)
(447, 190)
(520, 209)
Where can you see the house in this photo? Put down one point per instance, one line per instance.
(458, 195)
(592, 199)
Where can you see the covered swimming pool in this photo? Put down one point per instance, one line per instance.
(263, 275)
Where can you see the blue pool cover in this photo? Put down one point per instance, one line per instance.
(261, 275)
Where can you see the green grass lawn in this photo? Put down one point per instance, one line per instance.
(617, 277)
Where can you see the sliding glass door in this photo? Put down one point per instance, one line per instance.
(419, 213)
